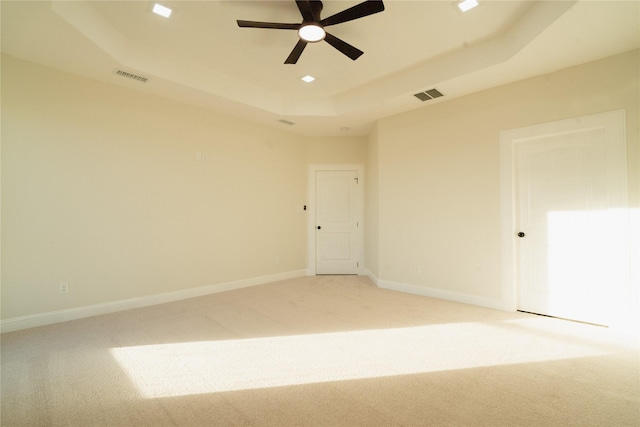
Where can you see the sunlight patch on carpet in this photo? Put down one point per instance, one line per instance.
(180, 369)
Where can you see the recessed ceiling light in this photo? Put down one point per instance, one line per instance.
(161, 10)
(308, 79)
(466, 5)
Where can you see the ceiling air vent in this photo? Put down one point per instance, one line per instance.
(132, 76)
(428, 94)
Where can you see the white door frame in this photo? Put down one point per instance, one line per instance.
(311, 224)
(508, 139)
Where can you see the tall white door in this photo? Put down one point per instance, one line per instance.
(337, 222)
(571, 232)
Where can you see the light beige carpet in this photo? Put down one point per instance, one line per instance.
(319, 351)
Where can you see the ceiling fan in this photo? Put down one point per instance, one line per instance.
(311, 30)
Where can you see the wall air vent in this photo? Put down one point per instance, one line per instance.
(428, 94)
(132, 76)
(286, 122)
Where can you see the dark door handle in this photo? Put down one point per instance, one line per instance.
(319, 227)
(521, 234)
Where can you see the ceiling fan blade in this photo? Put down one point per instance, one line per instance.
(296, 52)
(368, 7)
(343, 46)
(275, 25)
(305, 9)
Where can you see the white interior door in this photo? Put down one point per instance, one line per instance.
(570, 200)
(337, 222)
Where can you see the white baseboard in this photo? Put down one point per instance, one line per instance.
(495, 304)
(41, 319)
(371, 276)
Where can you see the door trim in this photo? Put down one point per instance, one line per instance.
(508, 140)
(311, 207)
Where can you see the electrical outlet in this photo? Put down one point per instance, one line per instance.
(64, 288)
(418, 270)
(277, 260)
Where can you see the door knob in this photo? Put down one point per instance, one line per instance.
(521, 234)
(319, 227)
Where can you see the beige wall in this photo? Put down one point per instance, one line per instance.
(351, 150)
(102, 188)
(439, 183)
(371, 207)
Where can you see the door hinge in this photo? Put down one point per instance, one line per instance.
(357, 264)
(356, 180)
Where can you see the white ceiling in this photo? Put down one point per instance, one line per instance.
(200, 56)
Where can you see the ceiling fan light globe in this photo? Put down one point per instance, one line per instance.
(311, 33)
